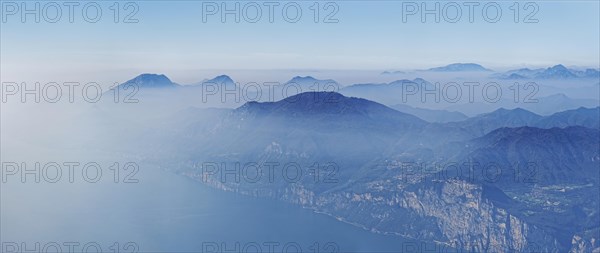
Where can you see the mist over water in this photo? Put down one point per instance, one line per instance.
(166, 212)
(152, 207)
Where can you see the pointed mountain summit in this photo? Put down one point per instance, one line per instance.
(487, 122)
(303, 79)
(587, 117)
(517, 113)
(221, 80)
(556, 72)
(150, 81)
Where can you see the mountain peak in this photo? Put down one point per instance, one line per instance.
(391, 72)
(223, 77)
(419, 80)
(487, 122)
(559, 67)
(513, 112)
(148, 80)
(307, 102)
(309, 83)
(556, 71)
(151, 77)
(329, 105)
(402, 82)
(314, 97)
(457, 67)
(305, 79)
(220, 79)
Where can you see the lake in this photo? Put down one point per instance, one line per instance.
(168, 212)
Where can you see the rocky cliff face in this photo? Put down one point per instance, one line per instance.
(454, 213)
(586, 242)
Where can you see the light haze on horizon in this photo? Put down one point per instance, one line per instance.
(171, 38)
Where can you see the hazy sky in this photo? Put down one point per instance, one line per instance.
(171, 37)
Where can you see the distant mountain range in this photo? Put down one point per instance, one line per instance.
(398, 92)
(300, 83)
(430, 115)
(393, 72)
(154, 81)
(558, 71)
(459, 67)
(309, 83)
(543, 105)
(485, 123)
(554, 72)
(587, 117)
(392, 94)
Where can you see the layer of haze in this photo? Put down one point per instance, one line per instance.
(171, 38)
